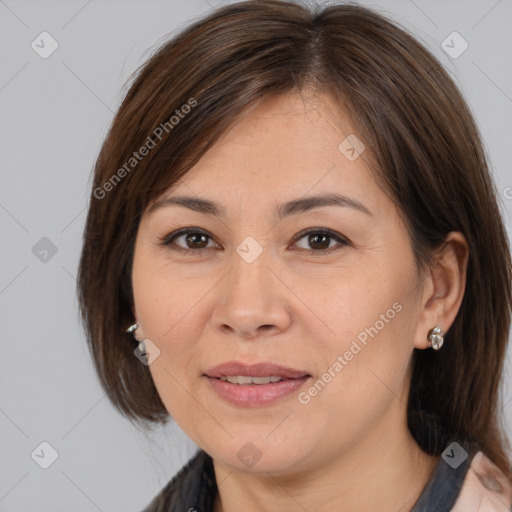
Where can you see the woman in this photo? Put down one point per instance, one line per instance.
(293, 217)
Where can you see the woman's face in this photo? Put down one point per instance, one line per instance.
(343, 308)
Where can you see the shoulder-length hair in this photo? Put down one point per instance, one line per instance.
(422, 144)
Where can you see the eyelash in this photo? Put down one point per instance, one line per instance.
(169, 239)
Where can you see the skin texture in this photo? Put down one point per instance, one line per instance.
(349, 447)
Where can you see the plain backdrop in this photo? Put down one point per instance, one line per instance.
(55, 112)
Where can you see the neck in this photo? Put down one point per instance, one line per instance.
(383, 472)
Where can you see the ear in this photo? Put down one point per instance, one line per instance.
(443, 289)
(138, 330)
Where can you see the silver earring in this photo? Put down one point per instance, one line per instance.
(132, 328)
(142, 346)
(435, 338)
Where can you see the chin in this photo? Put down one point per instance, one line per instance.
(261, 458)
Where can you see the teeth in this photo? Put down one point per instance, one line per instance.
(242, 379)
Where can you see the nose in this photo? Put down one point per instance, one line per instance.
(252, 301)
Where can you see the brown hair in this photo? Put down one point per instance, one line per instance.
(415, 125)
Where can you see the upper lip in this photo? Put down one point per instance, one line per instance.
(232, 368)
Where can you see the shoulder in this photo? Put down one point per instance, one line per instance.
(485, 488)
(192, 488)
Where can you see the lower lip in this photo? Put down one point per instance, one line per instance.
(251, 395)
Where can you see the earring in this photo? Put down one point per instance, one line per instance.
(142, 346)
(132, 328)
(435, 338)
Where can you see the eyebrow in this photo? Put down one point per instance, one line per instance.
(293, 207)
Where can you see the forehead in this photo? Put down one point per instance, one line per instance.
(284, 146)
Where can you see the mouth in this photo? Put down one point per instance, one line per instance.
(246, 380)
(254, 385)
(233, 369)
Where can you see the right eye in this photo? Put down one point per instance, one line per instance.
(194, 240)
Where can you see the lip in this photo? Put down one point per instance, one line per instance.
(263, 369)
(253, 395)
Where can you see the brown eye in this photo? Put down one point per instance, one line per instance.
(319, 239)
(197, 240)
(193, 239)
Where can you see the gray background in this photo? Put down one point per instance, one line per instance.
(54, 114)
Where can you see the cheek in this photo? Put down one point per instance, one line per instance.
(171, 315)
(365, 368)
(162, 300)
(374, 323)
(168, 308)
(363, 305)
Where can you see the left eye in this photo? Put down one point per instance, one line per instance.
(321, 237)
(195, 239)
